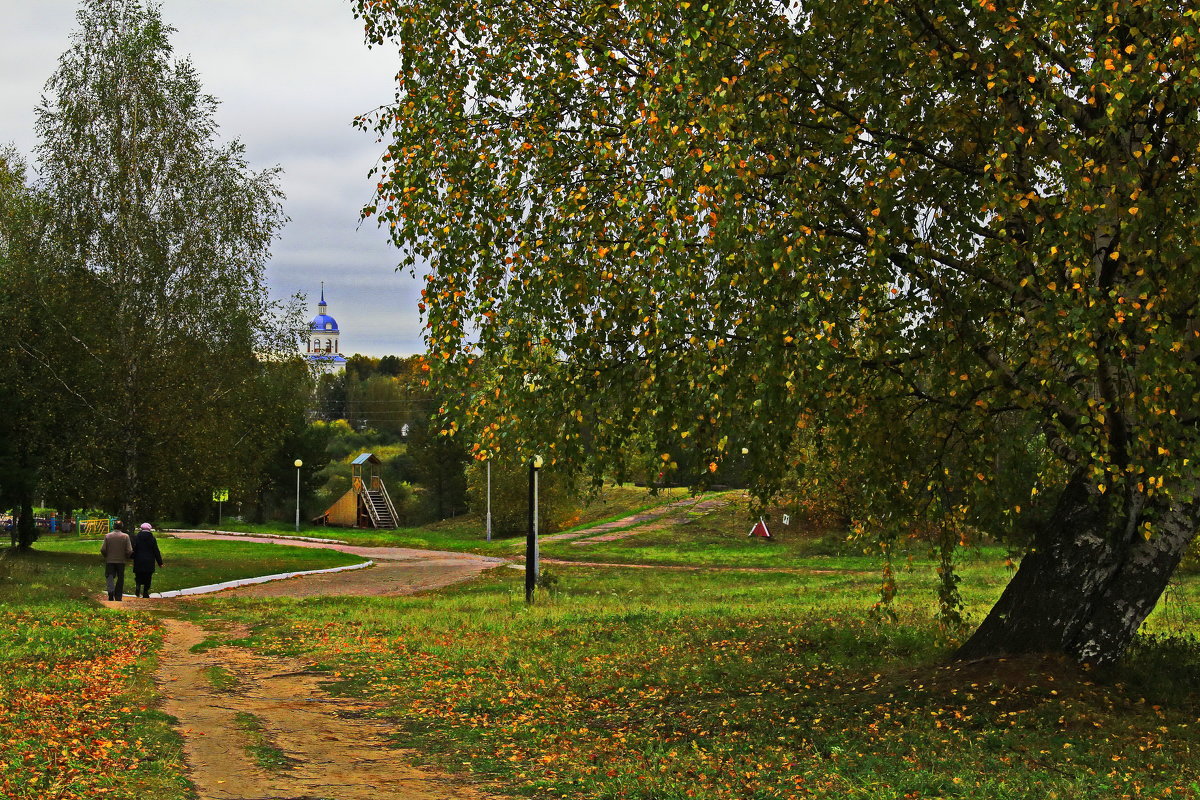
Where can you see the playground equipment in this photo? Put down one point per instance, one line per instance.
(366, 504)
(96, 527)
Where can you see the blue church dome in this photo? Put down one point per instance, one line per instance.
(323, 322)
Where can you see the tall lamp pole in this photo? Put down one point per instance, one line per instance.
(298, 463)
(531, 541)
(489, 500)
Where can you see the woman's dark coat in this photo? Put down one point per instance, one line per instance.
(145, 552)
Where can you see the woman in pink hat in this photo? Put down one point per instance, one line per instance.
(145, 556)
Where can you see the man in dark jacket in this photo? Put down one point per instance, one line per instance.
(115, 551)
(145, 555)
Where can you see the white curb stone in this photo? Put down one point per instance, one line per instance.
(217, 587)
(281, 536)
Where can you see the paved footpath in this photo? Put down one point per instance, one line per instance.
(397, 570)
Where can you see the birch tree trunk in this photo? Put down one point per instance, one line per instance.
(1089, 580)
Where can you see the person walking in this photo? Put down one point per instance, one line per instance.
(116, 551)
(145, 555)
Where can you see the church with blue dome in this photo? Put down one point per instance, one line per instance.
(321, 346)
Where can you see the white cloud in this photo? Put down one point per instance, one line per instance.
(290, 75)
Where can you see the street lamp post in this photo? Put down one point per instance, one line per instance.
(489, 500)
(298, 463)
(531, 541)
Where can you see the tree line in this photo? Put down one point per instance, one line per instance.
(144, 364)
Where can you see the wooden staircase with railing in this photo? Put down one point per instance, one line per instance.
(378, 504)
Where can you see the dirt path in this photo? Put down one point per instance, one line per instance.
(669, 518)
(264, 728)
(621, 528)
(235, 707)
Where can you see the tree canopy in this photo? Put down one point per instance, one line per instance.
(173, 230)
(155, 364)
(34, 413)
(743, 224)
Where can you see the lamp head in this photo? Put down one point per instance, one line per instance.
(298, 463)
(537, 462)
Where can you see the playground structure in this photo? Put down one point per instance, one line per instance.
(95, 527)
(366, 504)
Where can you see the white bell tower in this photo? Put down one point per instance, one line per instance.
(322, 346)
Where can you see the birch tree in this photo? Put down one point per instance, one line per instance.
(171, 230)
(778, 217)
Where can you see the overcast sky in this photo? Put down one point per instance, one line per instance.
(290, 76)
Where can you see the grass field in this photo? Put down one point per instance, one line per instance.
(467, 533)
(188, 562)
(655, 684)
(718, 537)
(664, 684)
(77, 716)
